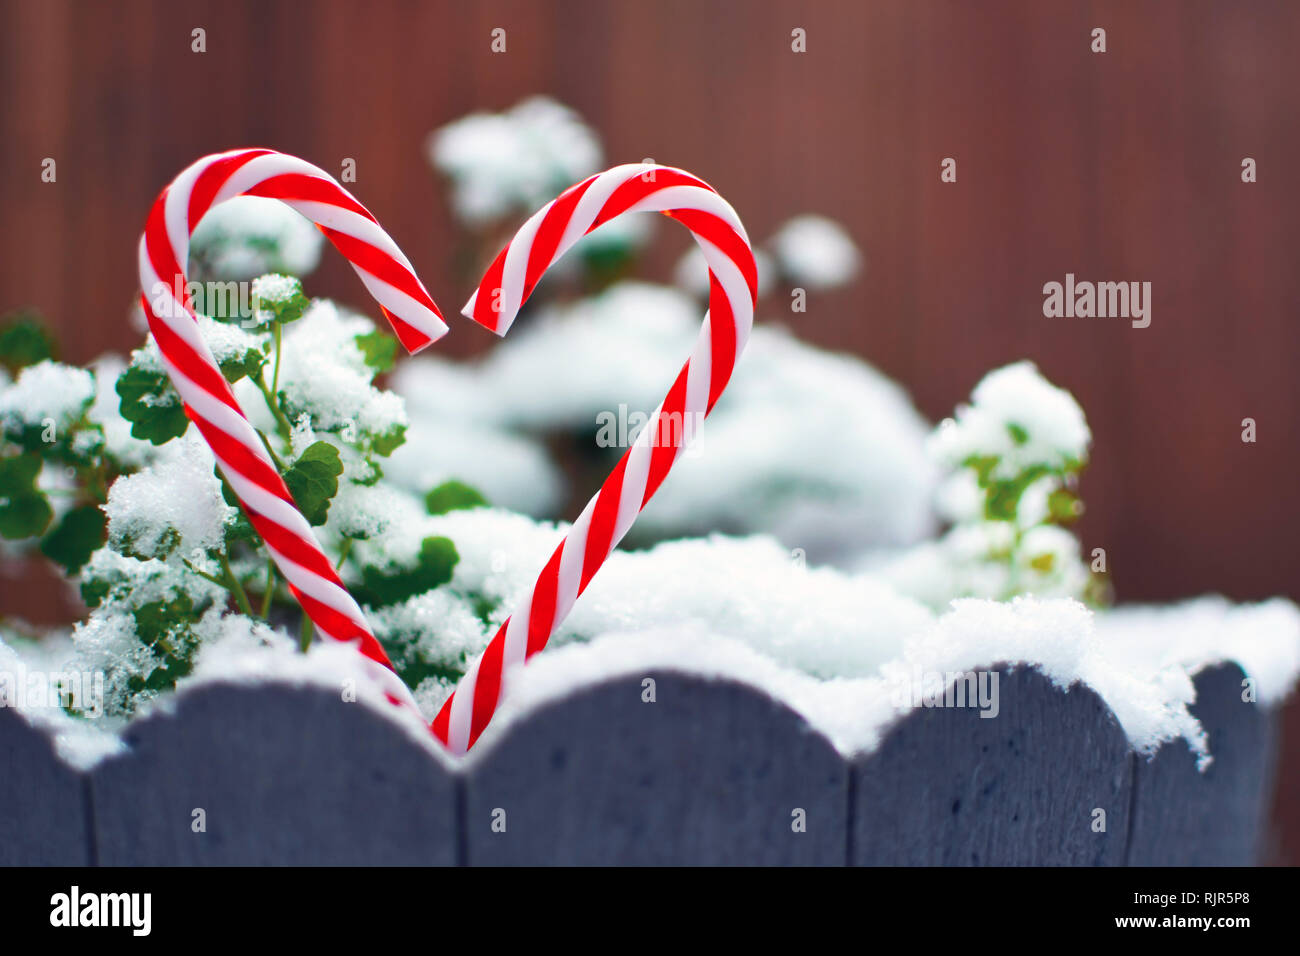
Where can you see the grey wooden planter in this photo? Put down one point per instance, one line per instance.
(711, 772)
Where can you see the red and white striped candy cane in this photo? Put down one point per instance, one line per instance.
(608, 516)
(209, 402)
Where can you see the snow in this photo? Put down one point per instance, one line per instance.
(177, 494)
(226, 340)
(272, 289)
(324, 372)
(1060, 638)
(1264, 638)
(819, 621)
(503, 163)
(815, 252)
(841, 649)
(850, 712)
(817, 448)
(509, 470)
(132, 452)
(439, 626)
(250, 235)
(241, 651)
(692, 272)
(570, 362)
(1055, 432)
(30, 677)
(966, 562)
(46, 392)
(135, 582)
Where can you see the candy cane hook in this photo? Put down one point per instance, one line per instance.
(209, 402)
(733, 288)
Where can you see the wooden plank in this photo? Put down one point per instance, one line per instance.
(1187, 818)
(43, 816)
(282, 775)
(949, 787)
(711, 773)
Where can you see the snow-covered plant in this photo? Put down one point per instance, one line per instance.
(817, 454)
(503, 166)
(126, 497)
(1013, 457)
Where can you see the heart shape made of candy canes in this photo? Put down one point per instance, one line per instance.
(391, 280)
(733, 286)
(209, 401)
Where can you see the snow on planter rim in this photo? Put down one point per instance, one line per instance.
(1137, 661)
(1140, 660)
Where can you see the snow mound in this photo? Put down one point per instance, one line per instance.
(46, 393)
(818, 449)
(250, 235)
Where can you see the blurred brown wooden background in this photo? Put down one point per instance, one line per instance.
(1119, 166)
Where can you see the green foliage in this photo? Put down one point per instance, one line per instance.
(76, 537)
(1011, 539)
(280, 298)
(452, 496)
(385, 443)
(151, 405)
(379, 349)
(384, 586)
(24, 341)
(24, 509)
(313, 480)
(164, 589)
(166, 628)
(247, 364)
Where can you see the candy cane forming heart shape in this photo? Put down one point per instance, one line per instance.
(209, 402)
(608, 516)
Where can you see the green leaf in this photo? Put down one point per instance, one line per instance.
(313, 480)
(76, 537)
(151, 405)
(157, 619)
(1043, 562)
(24, 341)
(379, 349)
(281, 296)
(166, 626)
(1064, 506)
(1018, 433)
(452, 496)
(95, 590)
(24, 511)
(382, 587)
(388, 442)
(250, 363)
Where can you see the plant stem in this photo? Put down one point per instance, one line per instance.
(304, 638)
(270, 588)
(344, 552)
(270, 451)
(281, 422)
(233, 584)
(275, 375)
(207, 577)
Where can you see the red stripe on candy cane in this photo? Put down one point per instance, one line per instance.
(733, 283)
(208, 400)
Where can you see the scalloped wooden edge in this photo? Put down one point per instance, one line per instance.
(713, 771)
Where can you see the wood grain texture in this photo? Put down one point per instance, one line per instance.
(284, 775)
(44, 818)
(711, 773)
(1124, 165)
(1184, 817)
(948, 787)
